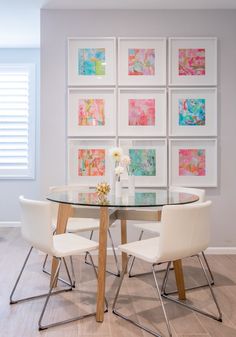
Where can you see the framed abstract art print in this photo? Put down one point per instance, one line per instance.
(193, 61)
(91, 61)
(148, 161)
(91, 112)
(88, 161)
(192, 112)
(142, 112)
(142, 61)
(193, 162)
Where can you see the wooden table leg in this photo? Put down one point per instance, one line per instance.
(124, 240)
(179, 277)
(64, 212)
(102, 255)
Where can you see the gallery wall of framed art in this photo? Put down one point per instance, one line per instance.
(156, 97)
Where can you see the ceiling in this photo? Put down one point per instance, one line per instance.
(20, 19)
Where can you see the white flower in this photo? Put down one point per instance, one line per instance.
(116, 153)
(125, 160)
(119, 170)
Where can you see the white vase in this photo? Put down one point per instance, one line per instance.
(118, 189)
(131, 185)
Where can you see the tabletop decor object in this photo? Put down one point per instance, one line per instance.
(122, 165)
(126, 163)
(116, 154)
(102, 190)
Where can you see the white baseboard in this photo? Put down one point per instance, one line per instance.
(9, 224)
(221, 250)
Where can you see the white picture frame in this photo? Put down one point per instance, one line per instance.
(80, 150)
(192, 112)
(155, 161)
(91, 112)
(142, 112)
(193, 61)
(132, 70)
(193, 162)
(91, 61)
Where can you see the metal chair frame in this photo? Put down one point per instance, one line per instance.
(162, 293)
(168, 297)
(51, 292)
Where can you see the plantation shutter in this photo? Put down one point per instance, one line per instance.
(17, 121)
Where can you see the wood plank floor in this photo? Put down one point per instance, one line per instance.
(137, 299)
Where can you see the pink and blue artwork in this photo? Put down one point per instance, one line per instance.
(91, 61)
(192, 112)
(192, 62)
(141, 62)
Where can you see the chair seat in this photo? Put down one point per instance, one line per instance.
(153, 227)
(146, 250)
(70, 244)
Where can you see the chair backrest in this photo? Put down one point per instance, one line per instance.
(36, 224)
(184, 230)
(197, 191)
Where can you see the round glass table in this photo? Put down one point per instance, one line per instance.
(141, 198)
(74, 202)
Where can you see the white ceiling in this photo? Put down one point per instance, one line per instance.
(20, 19)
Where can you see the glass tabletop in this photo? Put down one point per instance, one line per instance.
(142, 198)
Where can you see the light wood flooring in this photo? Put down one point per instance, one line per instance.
(138, 299)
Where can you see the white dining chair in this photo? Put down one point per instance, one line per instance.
(154, 228)
(179, 238)
(79, 225)
(36, 230)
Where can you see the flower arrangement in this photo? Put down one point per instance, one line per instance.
(122, 162)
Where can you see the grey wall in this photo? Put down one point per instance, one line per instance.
(11, 189)
(57, 25)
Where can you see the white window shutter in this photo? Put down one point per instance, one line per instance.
(17, 121)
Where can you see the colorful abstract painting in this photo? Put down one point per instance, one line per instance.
(141, 62)
(192, 162)
(91, 162)
(192, 62)
(192, 111)
(91, 61)
(143, 162)
(91, 112)
(142, 112)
